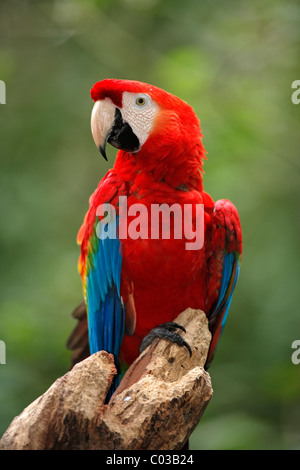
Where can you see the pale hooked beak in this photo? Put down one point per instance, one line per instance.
(108, 126)
(102, 122)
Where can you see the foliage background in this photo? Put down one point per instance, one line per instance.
(234, 61)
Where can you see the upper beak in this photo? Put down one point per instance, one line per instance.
(102, 121)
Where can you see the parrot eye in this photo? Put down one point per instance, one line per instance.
(141, 100)
(138, 111)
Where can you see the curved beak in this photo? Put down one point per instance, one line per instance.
(108, 125)
(102, 122)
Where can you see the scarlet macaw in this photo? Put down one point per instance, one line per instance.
(133, 285)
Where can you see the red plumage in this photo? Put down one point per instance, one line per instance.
(160, 278)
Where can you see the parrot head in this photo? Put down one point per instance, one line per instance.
(158, 129)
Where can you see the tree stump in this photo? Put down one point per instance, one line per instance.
(156, 407)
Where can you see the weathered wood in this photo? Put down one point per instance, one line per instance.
(157, 405)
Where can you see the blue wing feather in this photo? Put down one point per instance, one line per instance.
(218, 317)
(106, 321)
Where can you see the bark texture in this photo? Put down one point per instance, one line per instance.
(156, 407)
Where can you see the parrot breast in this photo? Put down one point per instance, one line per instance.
(161, 291)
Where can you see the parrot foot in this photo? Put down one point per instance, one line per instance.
(165, 331)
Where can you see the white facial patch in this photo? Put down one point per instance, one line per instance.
(139, 111)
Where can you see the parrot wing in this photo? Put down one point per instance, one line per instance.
(100, 266)
(224, 264)
(102, 287)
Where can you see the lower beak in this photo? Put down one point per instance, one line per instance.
(102, 121)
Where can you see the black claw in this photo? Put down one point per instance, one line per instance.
(172, 326)
(166, 331)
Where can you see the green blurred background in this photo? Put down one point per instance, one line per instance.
(234, 62)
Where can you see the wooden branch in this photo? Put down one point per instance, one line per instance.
(157, 405)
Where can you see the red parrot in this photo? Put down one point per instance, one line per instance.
(136, 284)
